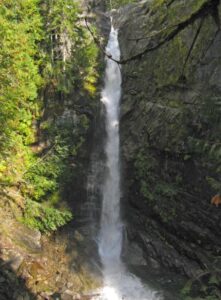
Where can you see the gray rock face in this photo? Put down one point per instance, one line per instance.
(29, 238)
(170, 131)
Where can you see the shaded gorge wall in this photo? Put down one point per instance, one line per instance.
(170, 133)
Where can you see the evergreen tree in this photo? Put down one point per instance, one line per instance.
(44, 47)
(20, 30)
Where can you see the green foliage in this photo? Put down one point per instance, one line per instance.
(42, 43)
(70, 55)
(19, 79)
(47, 174)
(151, 186)
(42, 178)
(157, 190)
(205, 286)
(44, 218)
(46, 55)
(166, 190)
(145, 165)
(215, 184)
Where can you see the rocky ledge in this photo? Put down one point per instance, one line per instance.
(42, 267)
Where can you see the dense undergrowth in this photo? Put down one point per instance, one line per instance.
(46, 56)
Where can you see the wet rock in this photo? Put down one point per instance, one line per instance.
(134, 255)
(66, 297)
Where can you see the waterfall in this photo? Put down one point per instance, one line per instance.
(111, 227)
(118, 282)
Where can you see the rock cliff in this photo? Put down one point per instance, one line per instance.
(170, 131)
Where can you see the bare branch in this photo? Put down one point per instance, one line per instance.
(206, 9)
(97, 42)
(192, 45)
(153, 34)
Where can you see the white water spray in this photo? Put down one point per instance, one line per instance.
(118, 282)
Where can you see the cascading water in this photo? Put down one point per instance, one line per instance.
(118, 282)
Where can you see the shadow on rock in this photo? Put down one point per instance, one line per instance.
(12, 287)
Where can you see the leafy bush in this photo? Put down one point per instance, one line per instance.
(19, 80)
(43, 177)
(204, 286)
(159, 190)
(46, 55)
(44, 218)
